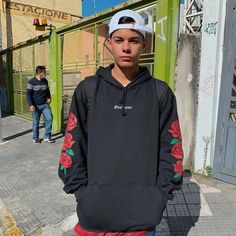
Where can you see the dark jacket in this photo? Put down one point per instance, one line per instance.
(123, 157)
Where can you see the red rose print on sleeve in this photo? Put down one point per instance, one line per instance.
(68, 141)
(177, 150)
(65, 161)
(72, 122)
(178, 168)
(175, 129)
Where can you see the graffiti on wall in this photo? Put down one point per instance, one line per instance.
(162, 35)
(211, 28)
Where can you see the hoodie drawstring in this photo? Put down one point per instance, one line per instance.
(124, 101)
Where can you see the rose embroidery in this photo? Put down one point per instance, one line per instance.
(177, 150)
(175, 129)
(72, 122)
(65, 162)
(67, 152)
(68, 141)
(178, 167)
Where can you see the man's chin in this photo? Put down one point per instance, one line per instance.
(127, 65)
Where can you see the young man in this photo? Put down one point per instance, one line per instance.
(39, 98)
(122, 153)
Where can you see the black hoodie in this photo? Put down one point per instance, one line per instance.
(123, 157)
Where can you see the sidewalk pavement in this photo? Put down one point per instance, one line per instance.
(32, 193)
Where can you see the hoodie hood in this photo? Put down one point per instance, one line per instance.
(105, 74)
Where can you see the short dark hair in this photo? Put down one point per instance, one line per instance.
(125, 20)
(39, 69)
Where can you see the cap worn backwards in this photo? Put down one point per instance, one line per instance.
(138, 25)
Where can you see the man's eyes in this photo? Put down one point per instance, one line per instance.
(118, 40)
(130, 41)
(134, 41)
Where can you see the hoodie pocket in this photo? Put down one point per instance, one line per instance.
(117, 208)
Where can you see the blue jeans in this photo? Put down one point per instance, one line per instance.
(46, 110)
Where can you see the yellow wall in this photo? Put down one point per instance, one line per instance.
(17, 28)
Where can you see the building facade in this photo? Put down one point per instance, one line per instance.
(16, 23)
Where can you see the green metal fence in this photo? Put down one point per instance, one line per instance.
(4, 85)
(24, 60)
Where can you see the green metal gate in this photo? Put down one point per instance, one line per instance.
(24, 61)
(4, 85)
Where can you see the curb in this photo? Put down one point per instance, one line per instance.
(8, 225)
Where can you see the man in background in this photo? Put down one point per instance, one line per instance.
(39, 98)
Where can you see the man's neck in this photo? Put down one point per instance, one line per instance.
(37, 77)
(124, 76)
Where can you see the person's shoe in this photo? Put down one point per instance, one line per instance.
(49, 140)
(36, 141)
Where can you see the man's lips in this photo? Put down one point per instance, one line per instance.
(126, 58)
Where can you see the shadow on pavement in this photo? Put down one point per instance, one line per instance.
(22, 133)
(17, 135)
(183, 212)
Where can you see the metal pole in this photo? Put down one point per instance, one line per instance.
(1, 140)
(0, 32)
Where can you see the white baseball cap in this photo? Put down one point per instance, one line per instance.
(139, 23)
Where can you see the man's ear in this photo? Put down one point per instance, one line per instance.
(109, 44)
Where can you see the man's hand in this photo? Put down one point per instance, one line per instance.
(49, 101)
(32, 108)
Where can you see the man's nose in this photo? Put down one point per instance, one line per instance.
(126, 47)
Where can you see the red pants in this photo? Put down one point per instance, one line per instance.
(81, 232)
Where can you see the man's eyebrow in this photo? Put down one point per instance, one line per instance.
(135, 37)
(120, 37)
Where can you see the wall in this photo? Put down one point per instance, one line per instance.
(209, 84)
(186, 91)
(18, 28)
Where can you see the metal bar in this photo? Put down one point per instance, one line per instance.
(95, 41)
(153, 23)
(9, 58)
(189, 27)
(55, 79)
(33, 58)
(189, 7)
(1, 139)
(194, 14)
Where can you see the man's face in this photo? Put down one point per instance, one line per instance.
(42, 74)
(126, 46)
